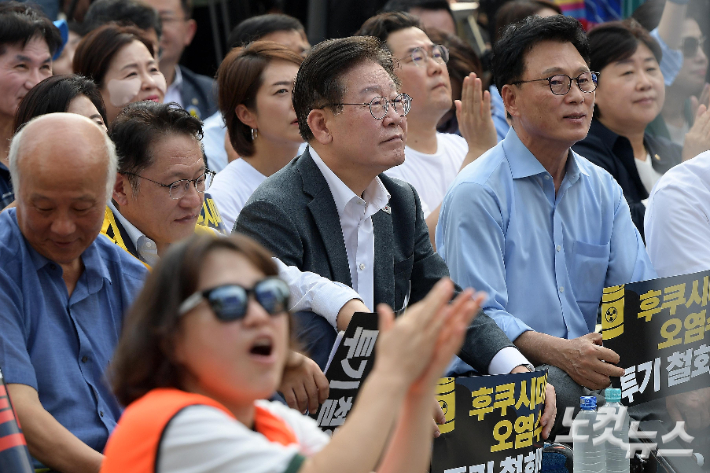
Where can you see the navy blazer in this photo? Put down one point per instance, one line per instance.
(198, 94)
(613, 153)
(293, 214)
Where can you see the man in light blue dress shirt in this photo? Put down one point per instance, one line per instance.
(535, 225)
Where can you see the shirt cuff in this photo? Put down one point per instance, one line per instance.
(506, 360)
(328, 302)
(672, 59)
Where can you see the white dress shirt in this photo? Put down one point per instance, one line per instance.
(355, 215)
(147, 249)
(174, 92)
(677, 222)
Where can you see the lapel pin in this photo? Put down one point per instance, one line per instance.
(658, 158)
(387, 209)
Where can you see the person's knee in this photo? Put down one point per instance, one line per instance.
(315, 336)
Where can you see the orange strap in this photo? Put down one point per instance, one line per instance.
(135, 443)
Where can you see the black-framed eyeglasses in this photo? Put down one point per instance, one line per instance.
(560, 84)
(231, 301)
(691, 45)
(439, 53)
(380, 105)
(178, 189)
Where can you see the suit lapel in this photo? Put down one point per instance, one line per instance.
(384, 258)
(325, 215)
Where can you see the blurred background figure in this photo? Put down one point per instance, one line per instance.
(121, 63)
(125, 13)
(194, 92)
(688, 90)
(432, 14)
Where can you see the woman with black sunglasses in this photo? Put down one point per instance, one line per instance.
(208, 339)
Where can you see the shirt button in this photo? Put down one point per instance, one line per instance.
(562, 289)
(362, 267)
(101, 413)
(558, 248)
(84, 359)
(547, 177)
(52, 267)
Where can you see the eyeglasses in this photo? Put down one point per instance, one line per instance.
(439, 53)
(380, 105)
(231, 301)
(178, 189)
(560, 84)
(691, 45)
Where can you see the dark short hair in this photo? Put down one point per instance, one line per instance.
(383, 25)
(519, 39)
(145, 355)
(256, 27)
(20, 23)
(122, 12)
(54, 94)
(407, 5)
(186, 6)
(319, 80)
(518, 10)
(96, 50)
(239, 78)
(615, 41)
(142, 124)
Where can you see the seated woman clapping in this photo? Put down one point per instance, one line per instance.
(208, 339)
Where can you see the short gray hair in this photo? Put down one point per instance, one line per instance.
(14, 157)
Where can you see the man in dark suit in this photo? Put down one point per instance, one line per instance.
(332, 211)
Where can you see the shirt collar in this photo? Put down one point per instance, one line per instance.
(133, 233)
(375, 194)
(94, 266)
(524, 164)
(146, 248)
(177, 80)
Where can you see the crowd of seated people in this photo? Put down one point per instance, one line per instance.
(179, 252)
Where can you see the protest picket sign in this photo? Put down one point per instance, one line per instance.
(14, 456)
(492, 424)
(658, 328)
(350, 364)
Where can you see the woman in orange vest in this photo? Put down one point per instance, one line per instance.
(207, 341)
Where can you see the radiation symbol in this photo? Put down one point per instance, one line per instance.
(444, 406)
(611, 314)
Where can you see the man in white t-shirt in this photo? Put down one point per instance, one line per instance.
(432, 160)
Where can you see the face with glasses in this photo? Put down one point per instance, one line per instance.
(235, 361)
(631, 92)
(422, 72)
(543, 119)
(691, 77)
(166, 205)
(365, 141)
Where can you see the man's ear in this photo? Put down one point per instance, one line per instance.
(189, 32)
(246, 116)
(121, 189)
(509, 93)
(318, 123)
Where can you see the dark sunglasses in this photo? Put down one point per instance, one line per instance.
(691, 45)
(231, 301)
